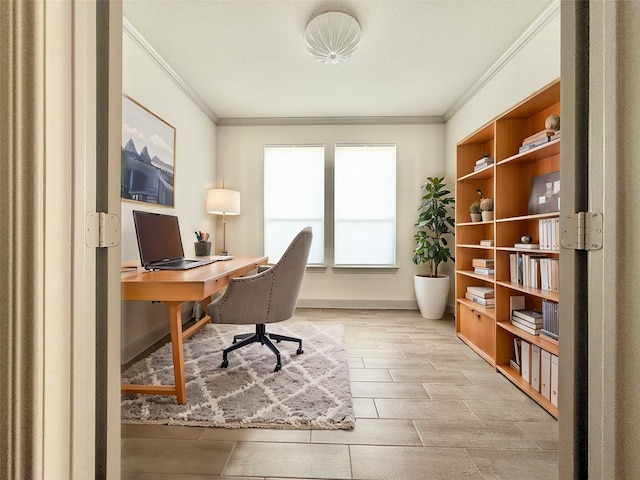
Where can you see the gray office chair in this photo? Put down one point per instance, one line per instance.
(267, 297)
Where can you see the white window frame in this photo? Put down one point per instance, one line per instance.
(356, 209)
(286, 189)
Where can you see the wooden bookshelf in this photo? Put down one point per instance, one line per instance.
(489, 331)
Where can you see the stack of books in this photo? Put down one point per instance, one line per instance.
(550, 319)
(528, 320)
(486, 243)
(483, 266)
(481, 295)
(540, 138)
(483, 162)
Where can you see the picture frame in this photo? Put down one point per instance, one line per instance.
(544, 195)
(148, 156)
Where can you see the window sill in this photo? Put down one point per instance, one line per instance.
(364, 269)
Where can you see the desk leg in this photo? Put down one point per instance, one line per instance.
(175, 322)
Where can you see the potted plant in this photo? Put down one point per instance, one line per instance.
(486, 205)
(434, 225)
(475, 211)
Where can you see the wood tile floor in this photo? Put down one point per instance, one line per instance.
(427, 407)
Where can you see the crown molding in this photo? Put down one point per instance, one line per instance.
(293, 121)
(145, 46)
(545, 17)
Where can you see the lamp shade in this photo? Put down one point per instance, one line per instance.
(332, 37)
(221, 201)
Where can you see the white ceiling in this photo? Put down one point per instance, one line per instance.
(247, 58)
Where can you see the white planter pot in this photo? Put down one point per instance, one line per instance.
(487, 216)
(431, 293)
(476, 217)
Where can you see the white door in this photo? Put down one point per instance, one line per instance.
(59, 317)
(599, 382)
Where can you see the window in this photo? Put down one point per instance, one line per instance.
(293, 198)
(365, 205)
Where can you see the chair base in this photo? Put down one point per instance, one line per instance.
(264, 338)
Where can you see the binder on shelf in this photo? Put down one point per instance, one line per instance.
(555, 275)
(535, 367)
(513, 267)
(545, 375)
(516, 349)
(549, 233)
(550, 319)
(554, 380)
(525, 361)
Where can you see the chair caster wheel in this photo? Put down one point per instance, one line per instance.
(299, 351)
(278, 367)
(225, 364)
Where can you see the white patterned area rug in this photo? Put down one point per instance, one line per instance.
(312, 391)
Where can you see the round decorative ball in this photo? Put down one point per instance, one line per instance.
(525, 239)
(552, 121)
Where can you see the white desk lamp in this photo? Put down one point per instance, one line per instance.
(221, 201)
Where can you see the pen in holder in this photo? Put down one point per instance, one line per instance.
(202, 246)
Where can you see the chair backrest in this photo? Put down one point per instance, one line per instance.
(267, 297)
(287, 277)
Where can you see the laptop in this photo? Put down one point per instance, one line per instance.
(160, 243)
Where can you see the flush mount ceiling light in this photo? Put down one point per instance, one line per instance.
(332, 37)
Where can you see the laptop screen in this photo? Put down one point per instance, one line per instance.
(158, 236)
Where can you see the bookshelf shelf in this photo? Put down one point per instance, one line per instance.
(513, 181)
(533, 155)
(480, 247)
(543, 294)
(537, 216)
(471, 273)
(486, 172)
(489, 312)
(549, 344)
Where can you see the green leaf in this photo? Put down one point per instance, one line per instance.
(434, 222)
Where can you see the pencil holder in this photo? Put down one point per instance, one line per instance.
(203, 249)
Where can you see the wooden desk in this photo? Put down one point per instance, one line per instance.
(175, 288)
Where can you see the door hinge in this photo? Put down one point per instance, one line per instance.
(581, 231)
(103, 229)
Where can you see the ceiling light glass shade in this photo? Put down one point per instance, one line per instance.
(332, 37)
(221, 201)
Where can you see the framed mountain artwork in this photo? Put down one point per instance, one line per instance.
(148, 156)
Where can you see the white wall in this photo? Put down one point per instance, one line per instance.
(420, 153)
(144, 323)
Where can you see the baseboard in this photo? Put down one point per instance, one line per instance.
(364, 304)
